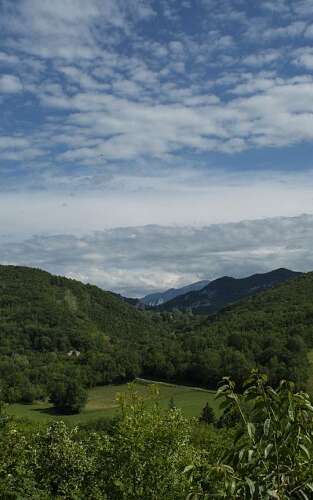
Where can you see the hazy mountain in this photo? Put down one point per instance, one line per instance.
(226, 290)
(159, 298)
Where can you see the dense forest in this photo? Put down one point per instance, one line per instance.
(55, 330)
(272, 330)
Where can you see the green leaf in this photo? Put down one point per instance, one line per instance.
(306, 451)
(233, 487)
(268, 449)
(266, 426)
(251, 485)
(188, 468)
(251, 430)
(241, 454)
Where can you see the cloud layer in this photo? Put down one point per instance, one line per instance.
(138, 260)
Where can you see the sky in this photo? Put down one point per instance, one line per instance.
(146, 144)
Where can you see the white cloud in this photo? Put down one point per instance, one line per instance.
(277, 112)
(65, 29)
(280, 6)
(10, 84)
(131, 124)
(8, 58)
(263, 58)
(306, 60)
(128, 88)
(177, 47)
(15, 148)
(304, 57)
(7, 142)
(253, 85)
(125, 119)
(295, 28)
(303, 8)
(80, 78)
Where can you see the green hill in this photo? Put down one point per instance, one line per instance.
(41, 312)
(272, 330)
(54, 329)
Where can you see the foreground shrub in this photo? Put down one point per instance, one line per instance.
(153, 454)
(272, 452)
(149, 453)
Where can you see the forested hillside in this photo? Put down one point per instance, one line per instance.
(55, 329)
(273, 330)
(43, 313)
(227, 290)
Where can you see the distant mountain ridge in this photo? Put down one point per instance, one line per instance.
(227, 290)
(159, 298)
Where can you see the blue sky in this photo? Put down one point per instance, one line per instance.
(136, 112)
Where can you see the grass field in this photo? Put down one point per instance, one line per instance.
(102, 403)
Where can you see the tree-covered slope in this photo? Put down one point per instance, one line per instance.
(272, 330)
(41, 312)
(53, 328)
(226, 290)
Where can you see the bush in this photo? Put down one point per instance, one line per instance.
(149, 452)
(272, 452)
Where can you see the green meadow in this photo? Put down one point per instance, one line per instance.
(102, 402)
